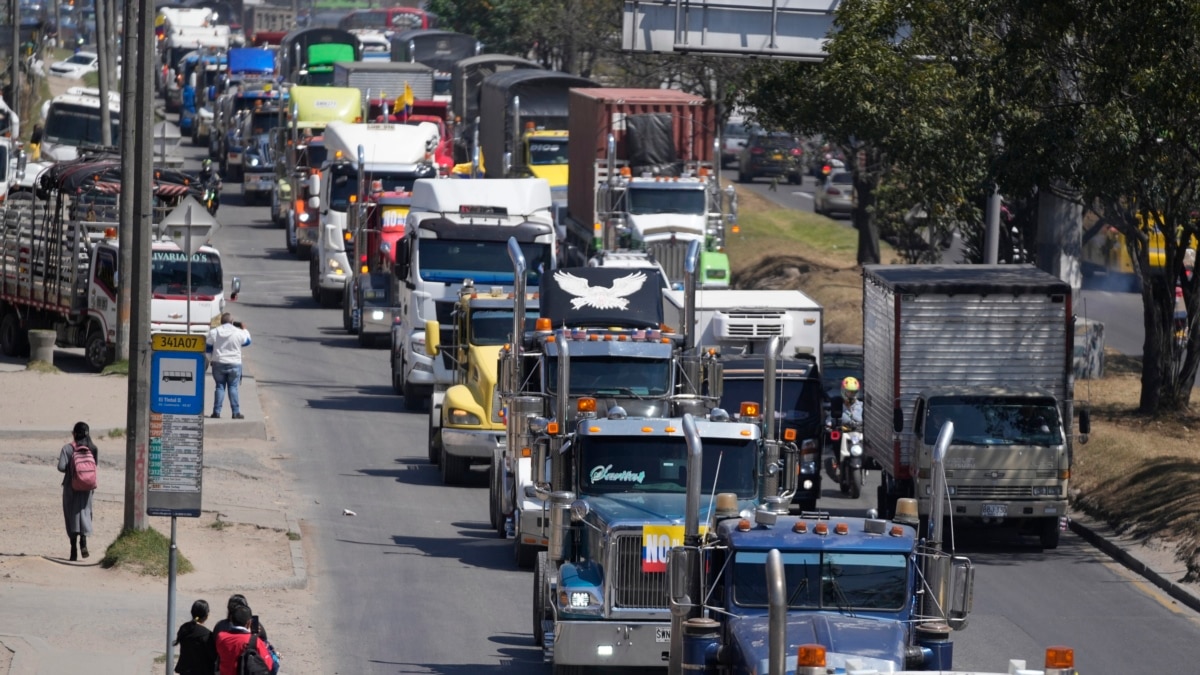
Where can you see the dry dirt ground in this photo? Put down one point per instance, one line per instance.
(239, 544)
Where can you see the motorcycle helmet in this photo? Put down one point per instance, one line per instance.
(850, 389)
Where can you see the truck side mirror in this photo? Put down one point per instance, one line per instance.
(1085, 421)
(897, 420)
(314, 203)
(235, 288)
(314, 184)
(433, 338)
(962, 593)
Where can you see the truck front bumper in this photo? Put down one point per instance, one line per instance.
(1000, 510)
(623, 644)
(258, 182)
(473, 443)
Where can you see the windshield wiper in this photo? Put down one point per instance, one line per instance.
(802, 586)
(839, 596)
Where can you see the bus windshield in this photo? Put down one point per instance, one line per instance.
(71, 124)
(168, 274)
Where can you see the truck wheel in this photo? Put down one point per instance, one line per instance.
(495, 515)
(11, 334)
(1050, 533)
(454, 469)
(540, 569)
(433, 439)
(412, 400)
(287, 241)
(524, 554)
(329, 299)
(96, 351)
(397, 380)
(347, 323)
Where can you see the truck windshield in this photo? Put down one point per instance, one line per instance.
(797, 400)
(168, 274)
(835, 581)
(989, 420)
(616, 464)
(648, 201)
(449, 261)
(70, 124)
(545, 151)
(608, 376)
(491, 327)
(262, 121)
(345, 183)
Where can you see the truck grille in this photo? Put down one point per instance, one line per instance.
(631, 588)
(671, 255)
(993, 491)
(751, 325)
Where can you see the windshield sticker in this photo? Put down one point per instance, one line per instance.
(599, 297)
(605, 473)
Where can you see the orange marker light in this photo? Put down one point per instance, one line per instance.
(821, 528)
(526, 452)
(810, 656)
(841, 528)
(800, 527)
(1060, 657)
(586, 404)
(789, 435)
(552, 428)
(744, 525)
(750, 409)
(543, 324)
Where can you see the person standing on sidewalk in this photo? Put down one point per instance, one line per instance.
(192, 638)
(225, 343)
(77, 504)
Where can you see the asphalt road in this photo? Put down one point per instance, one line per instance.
(417, 583)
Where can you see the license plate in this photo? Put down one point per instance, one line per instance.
(777, 157)
(994, 510)
(662, 634)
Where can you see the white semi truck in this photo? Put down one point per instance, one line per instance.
(457, 230)
(359, 157)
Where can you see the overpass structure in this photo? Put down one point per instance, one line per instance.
(787, 29)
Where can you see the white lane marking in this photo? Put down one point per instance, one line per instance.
(807, 195)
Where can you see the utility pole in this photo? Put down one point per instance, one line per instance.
(136, 446)
(104, 47)
(15, 103)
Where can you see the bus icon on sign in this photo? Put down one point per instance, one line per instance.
(177, 376)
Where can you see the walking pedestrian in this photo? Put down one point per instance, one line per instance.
(225, 625)
(192, 638)
(77, 460)
(225, 343)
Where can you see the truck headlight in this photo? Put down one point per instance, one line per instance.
(417, 342)
(334, 264)
(303, 217)
(579, 601)
(461, 417)
(253, 161)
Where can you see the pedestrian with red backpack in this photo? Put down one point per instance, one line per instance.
(77, 460)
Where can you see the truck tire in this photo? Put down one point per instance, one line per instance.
(96, 351)
(287, 241)
(540, 569)
(1049, 533)
(432, 439)
(524, 554)
(347, 322)
(454, 469)
(397, 379)
(495, 514)
(329, 299)
(12, 335)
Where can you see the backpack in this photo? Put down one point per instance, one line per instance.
(250, 662)
(83, 469)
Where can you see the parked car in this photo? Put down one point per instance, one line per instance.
(77, 66)
(771, 153)
(733, 139)
(835, 195)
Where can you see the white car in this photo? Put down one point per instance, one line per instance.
(77, 66)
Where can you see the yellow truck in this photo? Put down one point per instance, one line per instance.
(305, 114)
(468, 426)
(1105, 252)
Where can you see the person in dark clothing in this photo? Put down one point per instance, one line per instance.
(192, 639)
(77, 505)
(227, 624)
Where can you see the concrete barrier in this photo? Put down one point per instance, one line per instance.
(41, 345)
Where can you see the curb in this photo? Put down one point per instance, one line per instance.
(1104, 542)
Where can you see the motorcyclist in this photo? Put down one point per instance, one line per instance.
(210, 181)
(206, 171)
(852, 408)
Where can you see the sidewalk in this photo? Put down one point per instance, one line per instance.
(62, 616)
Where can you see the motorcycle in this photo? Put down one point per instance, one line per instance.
(212, 195)
(849, 462)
